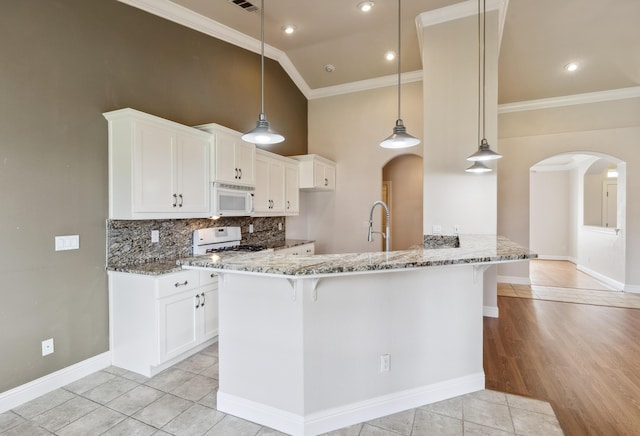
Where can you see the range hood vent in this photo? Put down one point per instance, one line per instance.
(247, 6)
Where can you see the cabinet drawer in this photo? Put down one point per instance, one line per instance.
(207, 278)
(178, 282)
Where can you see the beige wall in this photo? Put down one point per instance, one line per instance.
(64, 63)
(348, 129)
(521, 152)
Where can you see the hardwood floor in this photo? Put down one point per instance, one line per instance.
(583, 359)
(562, 274)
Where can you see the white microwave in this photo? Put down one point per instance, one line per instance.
(231, 200)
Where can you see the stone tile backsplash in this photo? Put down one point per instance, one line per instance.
(129, 241)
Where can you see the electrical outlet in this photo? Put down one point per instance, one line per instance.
(250, 228)
(385, 361)
(155, 236)
(279, 226)
(437, 229)
(70, 242)
(47, 347)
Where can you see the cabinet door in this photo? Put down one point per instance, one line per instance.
(261, 200)
(276, 186)
(330, 176)
(245, 162)
(193, 173)
(292, 190)
(318, 174)
(177, 324)
(224, 158)
(154, 169)
(209, 312)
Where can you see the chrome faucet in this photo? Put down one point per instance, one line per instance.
(385, 235)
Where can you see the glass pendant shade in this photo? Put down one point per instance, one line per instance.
(478, 167)
(262, 134)
(399, 138)
(484, 153)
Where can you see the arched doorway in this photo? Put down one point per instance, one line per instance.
(577, 214)
(402, 191)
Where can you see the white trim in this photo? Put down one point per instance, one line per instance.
(569, 100)
(335, 418)
(514, 280)
(36, 388)
(551, 257)
(634, 289)
(490, 311)
(364, 85)
(614, 284)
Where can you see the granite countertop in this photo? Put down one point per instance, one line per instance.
(474, 249)
(168, 266)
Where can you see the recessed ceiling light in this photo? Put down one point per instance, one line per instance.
(390, 55)
(289, 29)
(365, 6)
(571, 67)
(329, 68)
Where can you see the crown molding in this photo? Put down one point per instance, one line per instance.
(570, 100)
(188, 18)
(364, 85)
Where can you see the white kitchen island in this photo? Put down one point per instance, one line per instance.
(309, 344)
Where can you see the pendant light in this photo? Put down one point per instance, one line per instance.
(478, 167)
(262, 134)
(484, 150)
(399, 138)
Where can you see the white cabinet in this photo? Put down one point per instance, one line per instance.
(304, 249)
(156, 321)
(232, 159)
(276, 188)
(316, 173)
(157, 168)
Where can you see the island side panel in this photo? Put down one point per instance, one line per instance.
(429, 321)
(260, 345)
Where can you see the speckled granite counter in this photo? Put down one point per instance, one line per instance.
(474, 249)
(171, 265)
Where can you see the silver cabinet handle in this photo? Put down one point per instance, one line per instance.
(181, 200)
(236, 176)
(212, 275)
(203, 299)
(175, 200)
(326, 182)
(288, 204)
(197, 301)
(178, 284)
(240, 169)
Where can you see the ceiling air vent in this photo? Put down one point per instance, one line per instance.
(247, 6)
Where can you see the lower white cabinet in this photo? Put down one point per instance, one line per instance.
(298, 249)
(156, 321)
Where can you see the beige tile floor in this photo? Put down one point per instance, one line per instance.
(181, 401)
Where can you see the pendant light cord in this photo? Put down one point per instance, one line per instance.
(399, 57)
(479, 73)
(262, 57)
(484, 66)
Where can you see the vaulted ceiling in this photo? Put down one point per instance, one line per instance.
(539, 38)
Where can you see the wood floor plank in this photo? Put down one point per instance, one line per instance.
(583, 359)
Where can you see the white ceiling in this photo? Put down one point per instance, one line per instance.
(539, 38)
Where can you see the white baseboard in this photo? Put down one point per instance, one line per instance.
(490, 311)
(343, 416)
(29, 391)
(552, 257)
(618, 286)
(513, 280)
(634, 289)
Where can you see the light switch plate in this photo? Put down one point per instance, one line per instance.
(69, 242)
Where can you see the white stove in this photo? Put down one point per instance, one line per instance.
(217, 239)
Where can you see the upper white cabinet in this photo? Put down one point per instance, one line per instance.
(316, 173)
(157, 168)
(232, 159)
(276, 185)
